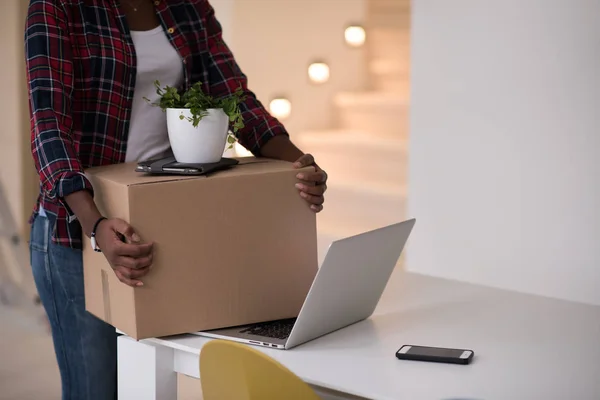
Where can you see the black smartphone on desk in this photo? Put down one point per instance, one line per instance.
(435, 354)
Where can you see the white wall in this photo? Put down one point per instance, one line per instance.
(505, 144)
(275, 40)
(224, 13)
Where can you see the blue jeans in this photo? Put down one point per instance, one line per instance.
(85, 346)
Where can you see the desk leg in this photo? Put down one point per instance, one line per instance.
(145, 371)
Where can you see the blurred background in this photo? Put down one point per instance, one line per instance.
(501, 100)
(336, 72)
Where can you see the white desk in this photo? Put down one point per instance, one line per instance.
(526, 347)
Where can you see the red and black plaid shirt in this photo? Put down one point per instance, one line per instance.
(81, 68)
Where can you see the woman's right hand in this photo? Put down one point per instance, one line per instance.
(128, 256)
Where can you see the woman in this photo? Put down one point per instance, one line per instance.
(90, 63)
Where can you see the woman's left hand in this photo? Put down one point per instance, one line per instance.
(312, 185)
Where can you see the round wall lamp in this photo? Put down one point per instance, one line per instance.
(318, 72)
(355, 35)
(280, 107)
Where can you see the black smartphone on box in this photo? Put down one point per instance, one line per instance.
(435, 354)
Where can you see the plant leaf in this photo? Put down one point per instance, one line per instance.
(199, 102)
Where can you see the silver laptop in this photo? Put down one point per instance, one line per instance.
(345, 290)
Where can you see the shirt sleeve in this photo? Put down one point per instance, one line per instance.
(49, 69)
(225, 76)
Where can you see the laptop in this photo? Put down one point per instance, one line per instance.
(346, 290)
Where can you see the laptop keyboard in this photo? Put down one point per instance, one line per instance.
(276, 329)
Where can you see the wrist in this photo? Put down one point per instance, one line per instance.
(93, 234)
(89, 223)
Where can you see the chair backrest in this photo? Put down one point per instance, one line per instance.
(230, 370)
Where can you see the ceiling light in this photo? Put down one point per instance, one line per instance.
(280, 107)
(355, 35)
(318, 72)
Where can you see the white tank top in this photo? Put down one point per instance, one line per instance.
(156, 60)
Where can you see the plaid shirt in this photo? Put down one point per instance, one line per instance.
(81, 69)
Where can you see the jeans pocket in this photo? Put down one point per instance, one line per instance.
(62, 266)
(40, 234)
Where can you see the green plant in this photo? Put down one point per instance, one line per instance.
(199, 103)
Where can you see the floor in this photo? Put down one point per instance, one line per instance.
(28, 368)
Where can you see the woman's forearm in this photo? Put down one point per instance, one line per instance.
(83, 206)
(281, 148)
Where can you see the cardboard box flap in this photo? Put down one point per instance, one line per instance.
(125, 174)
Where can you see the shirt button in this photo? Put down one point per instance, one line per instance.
(185, 61)
(157, 3)
(171, 30)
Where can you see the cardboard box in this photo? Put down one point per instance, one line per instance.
(235, 247)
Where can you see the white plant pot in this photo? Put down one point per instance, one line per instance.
(197, 145)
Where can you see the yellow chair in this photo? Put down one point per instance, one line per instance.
(232, 371)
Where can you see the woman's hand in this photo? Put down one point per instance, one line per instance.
(312, 185)
(128, 256)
